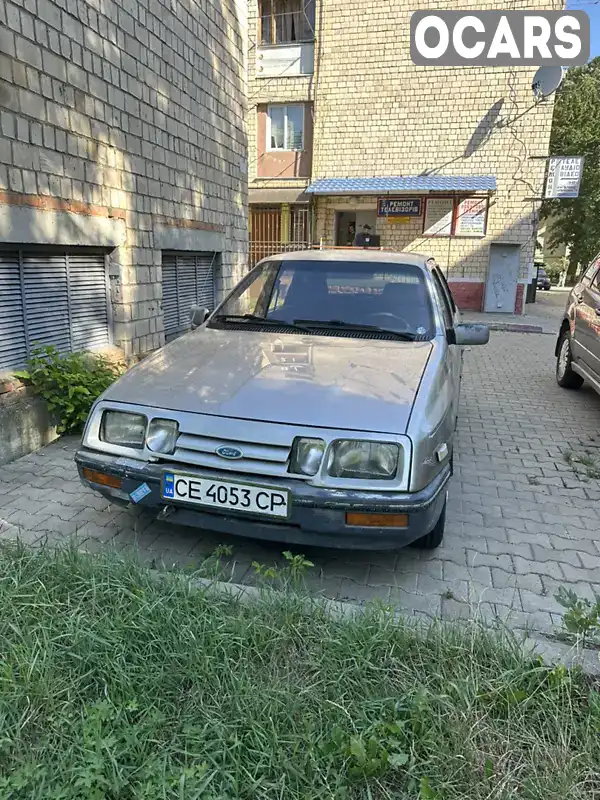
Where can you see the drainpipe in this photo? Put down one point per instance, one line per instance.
(313, 220)
(285, 223)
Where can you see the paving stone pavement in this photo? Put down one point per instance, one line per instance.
(520, 522)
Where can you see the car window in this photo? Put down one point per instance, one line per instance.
(447, 289)
(595, 284)
(254, 292)
(442, 299)
(443, 302)
(590, 272)
(384, 294)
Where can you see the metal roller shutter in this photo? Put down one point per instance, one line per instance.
(188, 280)
(88, 300)
(13, 342)
(49, 297)
(46, 300)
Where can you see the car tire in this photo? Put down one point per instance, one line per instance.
(546, 288)
(565, 375)
(435, 536)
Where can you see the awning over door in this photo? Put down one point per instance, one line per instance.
(404, 183)
(276, 196)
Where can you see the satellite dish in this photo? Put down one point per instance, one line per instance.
(546, 81)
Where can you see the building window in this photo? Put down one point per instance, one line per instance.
(52, 296)
(285, 128)
(287, 21)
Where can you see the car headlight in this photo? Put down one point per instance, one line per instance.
(307, 455)
(162, 436)
(358, 459)
(120, 427)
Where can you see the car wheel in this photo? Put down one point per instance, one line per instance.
(565, 376)
(434, 538)
(546, 288)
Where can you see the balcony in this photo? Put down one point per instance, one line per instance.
(286, 38)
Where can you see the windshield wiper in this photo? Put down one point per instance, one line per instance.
(274, 323)
(405, 336)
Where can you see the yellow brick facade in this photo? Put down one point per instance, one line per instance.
(377, 114)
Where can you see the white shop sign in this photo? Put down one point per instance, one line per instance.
(564, 176)
(439, 212)
(471, 217)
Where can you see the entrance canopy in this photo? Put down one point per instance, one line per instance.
(405, 183)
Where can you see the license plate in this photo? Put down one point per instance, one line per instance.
(225, 495)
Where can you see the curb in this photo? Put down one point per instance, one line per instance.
(514, 327)
(534, 643)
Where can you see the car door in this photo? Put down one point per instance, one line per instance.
(588, 312)
(454, 354)
(586, 335)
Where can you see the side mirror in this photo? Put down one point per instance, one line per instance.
(198, 316)
(467, 333)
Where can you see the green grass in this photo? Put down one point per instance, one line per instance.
(117, 685)
(586, 464)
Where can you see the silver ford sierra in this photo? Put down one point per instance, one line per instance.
(316, 405)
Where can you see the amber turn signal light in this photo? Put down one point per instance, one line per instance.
(101, 478)
(377, 520)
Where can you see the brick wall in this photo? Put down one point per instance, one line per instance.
(377, 114)
(261, 91)
(130, 109)
(468, 295)
(392, 118)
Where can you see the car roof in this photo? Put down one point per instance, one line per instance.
(355, 254)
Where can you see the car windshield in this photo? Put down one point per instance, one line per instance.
(341, 294)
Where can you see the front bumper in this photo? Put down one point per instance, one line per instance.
(318, 516)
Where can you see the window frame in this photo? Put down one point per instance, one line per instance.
(272, 15)
(285, 149)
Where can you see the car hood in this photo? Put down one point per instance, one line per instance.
(318, 381)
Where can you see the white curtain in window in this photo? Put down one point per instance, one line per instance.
(277, 127)
(294, 20)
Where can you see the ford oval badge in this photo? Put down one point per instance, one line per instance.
(231, 453)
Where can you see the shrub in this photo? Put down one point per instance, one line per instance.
(582, 616)
(69, 382)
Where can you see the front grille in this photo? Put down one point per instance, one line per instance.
(258, 459)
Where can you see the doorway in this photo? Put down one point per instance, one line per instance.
(349, 223)
(345, 228)
(503, 273)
